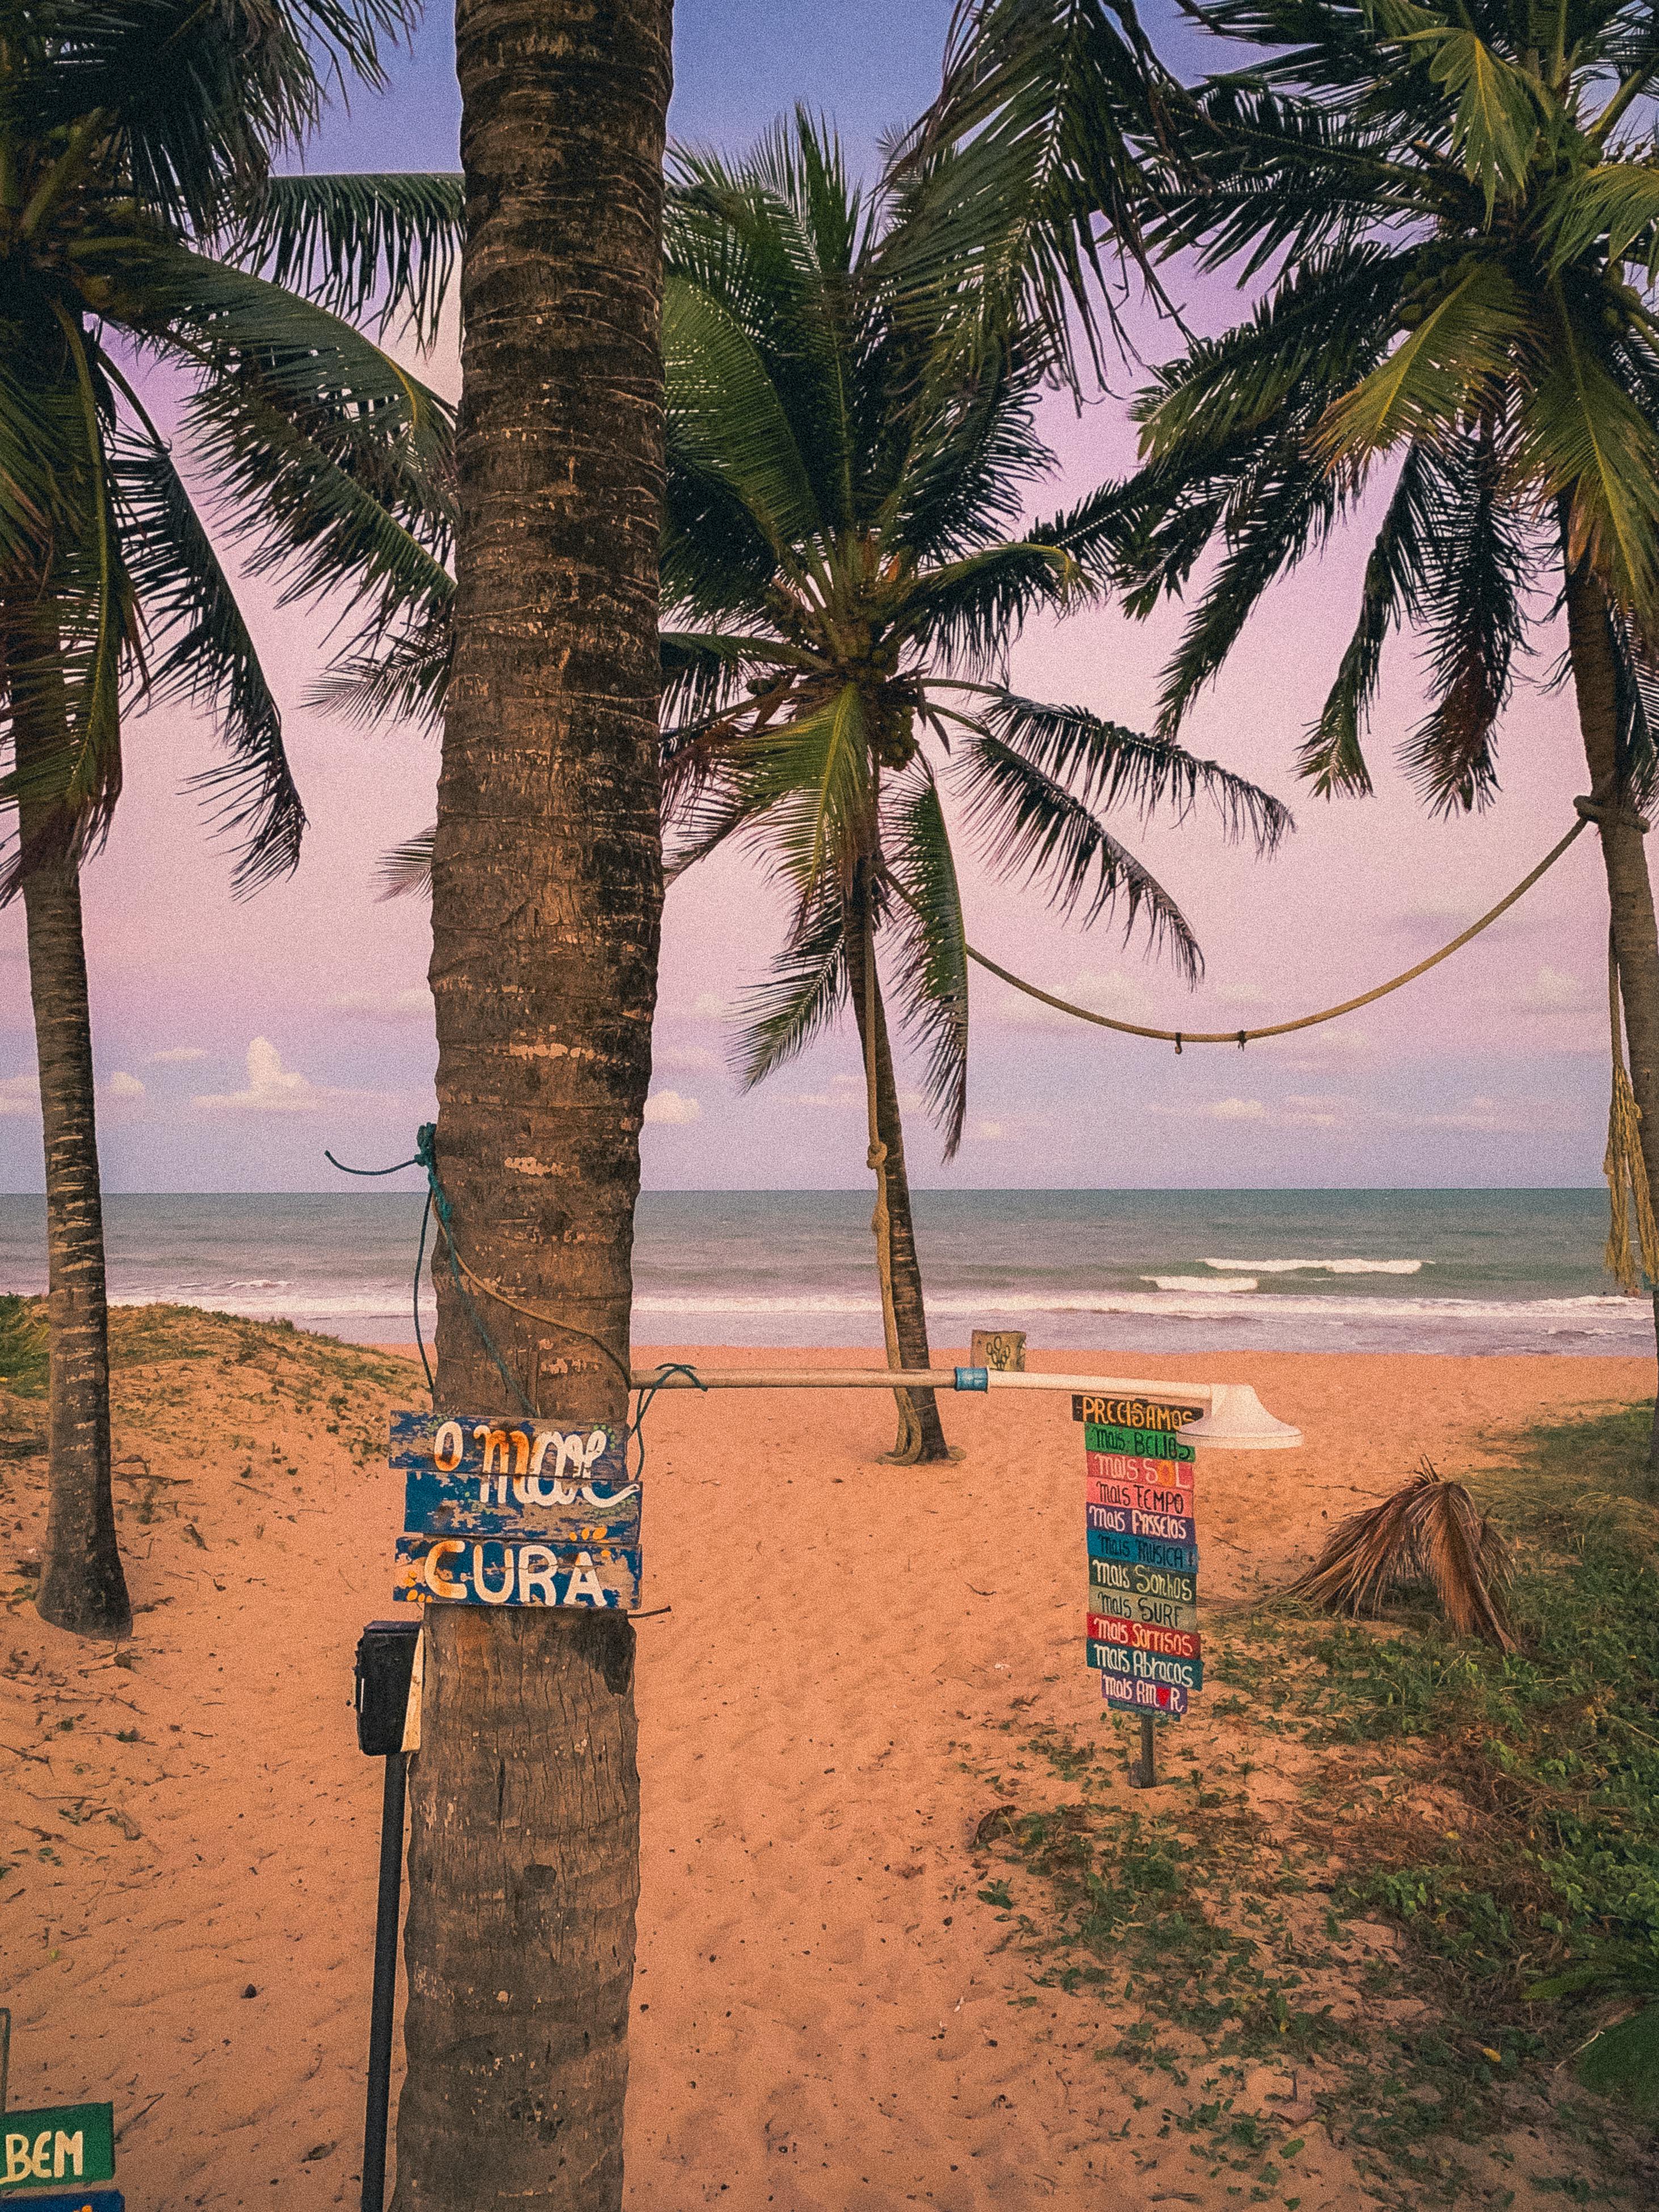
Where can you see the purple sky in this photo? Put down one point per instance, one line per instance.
(235, 1041)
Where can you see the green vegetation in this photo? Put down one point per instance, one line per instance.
(1466, 1891)
(23, 1349)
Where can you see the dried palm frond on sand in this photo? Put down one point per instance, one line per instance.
(1427, 1531)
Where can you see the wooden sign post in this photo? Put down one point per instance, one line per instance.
(1141, 1530)
(998, 1351)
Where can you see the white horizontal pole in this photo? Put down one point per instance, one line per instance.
(1234, 1419)
(910, 1378)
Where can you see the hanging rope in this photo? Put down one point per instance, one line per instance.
(1181, 1038)
(1624, 1166)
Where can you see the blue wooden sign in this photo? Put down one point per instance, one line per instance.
(459, 1571)
(1141, 1551)
(77, 2200)
(1146, 1666)
(487, 1477)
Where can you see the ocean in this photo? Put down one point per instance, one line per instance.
(1482, 1270)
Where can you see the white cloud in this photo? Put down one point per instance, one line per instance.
(1242, 994)
(1123, 996)
(19, 1094)
(1550, 992)
(1297, 1112)
(178, 1055)
(274, 1089)
(848, 1094)
(122, 1086)
(668, 1106)
(711, 1005)
(683, 1058)
(1319, 1048)
(989, 1132)
(414, 1005)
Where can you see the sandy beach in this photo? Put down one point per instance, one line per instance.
(829, 2017)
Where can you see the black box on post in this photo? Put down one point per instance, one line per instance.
(385, 1663)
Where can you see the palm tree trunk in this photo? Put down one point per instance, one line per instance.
(921, 1432)
(82, 1587)
(1630, 889)
(524, 1842)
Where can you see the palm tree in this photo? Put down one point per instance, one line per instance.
(137, 207)
(843, 582)
(1462, 209)
(851, 388)
(524, 1850)
(1465, 210)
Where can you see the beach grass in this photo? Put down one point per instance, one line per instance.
(1414, 1943)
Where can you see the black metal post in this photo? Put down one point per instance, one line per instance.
(1142, 1773)
(386, 1983)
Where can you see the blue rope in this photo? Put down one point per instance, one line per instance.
(643, 1399)
(438, 1206)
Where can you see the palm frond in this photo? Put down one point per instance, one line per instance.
(1583, 438)
(406, 871)
(1444, 372)
(1333, 756)
(1428, 1530)
(930, 975)
(1108, 765)
(1472, 615)
(201, 654)
(388, 242)
(725, 421)
(802, 996)
(1028, 826)
(1053, 113)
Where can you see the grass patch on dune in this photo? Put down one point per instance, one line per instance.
(1465, 1888)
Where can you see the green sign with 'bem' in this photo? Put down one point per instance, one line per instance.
(59, 2142)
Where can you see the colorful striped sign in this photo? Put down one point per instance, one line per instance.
(1143, 1696)
(1137, 1497)
(1106, 1522)
(1154, 1612)
(1138, 1636)
(1132, 1579)
(1145, 1443)
(1145, 1550)
(1146, 1666)
(1111, 1412)
(451, 1571)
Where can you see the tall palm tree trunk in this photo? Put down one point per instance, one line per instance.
(82, 1587)
(1630, 888)
(524, 1843)
(921, 1432)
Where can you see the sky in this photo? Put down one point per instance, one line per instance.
(234, 1041)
